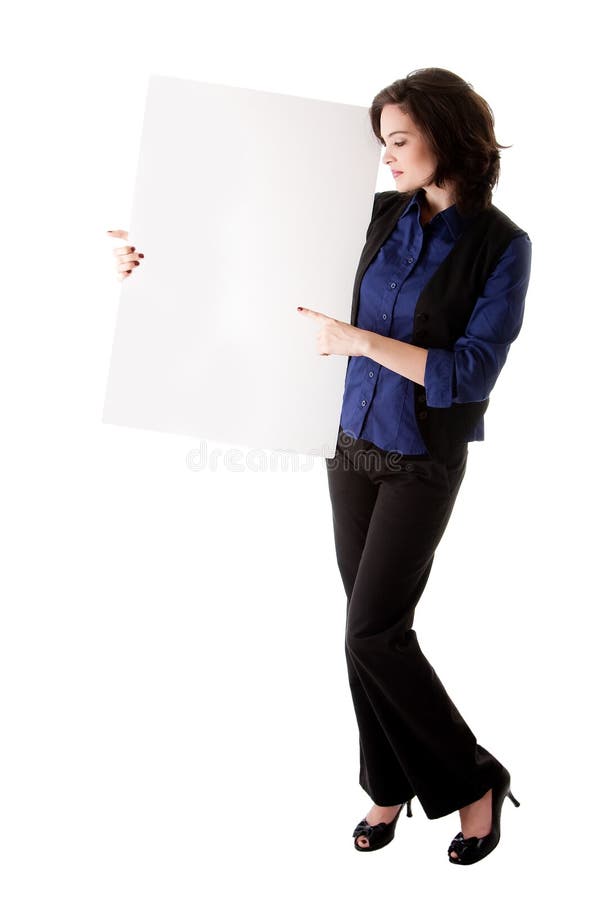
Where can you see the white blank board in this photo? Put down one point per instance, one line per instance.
(247, 204)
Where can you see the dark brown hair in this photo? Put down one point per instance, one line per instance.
(457, 124)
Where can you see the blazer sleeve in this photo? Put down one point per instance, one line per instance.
(468, 371)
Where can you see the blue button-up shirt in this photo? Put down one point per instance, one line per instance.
(378, 404)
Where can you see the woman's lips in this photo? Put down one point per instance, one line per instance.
(395, 174)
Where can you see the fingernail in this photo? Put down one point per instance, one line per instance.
(141, 255)
(135, 262)
(300, 307)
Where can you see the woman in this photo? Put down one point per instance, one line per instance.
(442, 282)
(438, 299)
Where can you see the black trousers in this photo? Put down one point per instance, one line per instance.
(389, 514)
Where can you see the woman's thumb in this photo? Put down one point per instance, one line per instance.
(118, 233)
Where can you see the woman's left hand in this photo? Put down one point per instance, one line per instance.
(336, 337)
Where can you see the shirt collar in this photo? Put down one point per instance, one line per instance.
(454, 221)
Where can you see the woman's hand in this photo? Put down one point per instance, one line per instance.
(127, 258)
(337, 337)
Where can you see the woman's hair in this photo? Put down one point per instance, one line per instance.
(457, 124)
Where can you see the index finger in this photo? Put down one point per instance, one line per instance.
(312, 312)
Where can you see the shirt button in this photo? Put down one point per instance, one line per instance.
(384, 316)
(363, 403)
(370, 374)
(410, 259)
(423, 414)
(421, 397)
(393, 284)
(409, 467)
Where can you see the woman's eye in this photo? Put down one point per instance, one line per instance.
(399, 143)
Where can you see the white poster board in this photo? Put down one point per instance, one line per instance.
(247, 204)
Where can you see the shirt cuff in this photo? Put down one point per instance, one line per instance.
(440, 379)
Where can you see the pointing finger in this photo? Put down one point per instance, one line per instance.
(312, 313)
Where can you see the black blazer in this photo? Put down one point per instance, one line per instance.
(444, 306)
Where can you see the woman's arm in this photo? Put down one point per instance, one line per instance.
(467, 372)
(402, 358)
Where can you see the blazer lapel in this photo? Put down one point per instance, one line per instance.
(382, 227)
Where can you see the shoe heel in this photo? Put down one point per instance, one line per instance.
(516, 802)
(408, 809)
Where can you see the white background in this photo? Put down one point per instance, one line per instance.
(175, 715)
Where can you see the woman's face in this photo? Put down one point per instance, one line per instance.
(407, 151)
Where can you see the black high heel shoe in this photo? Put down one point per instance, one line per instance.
(471, 850)
(381, 834)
